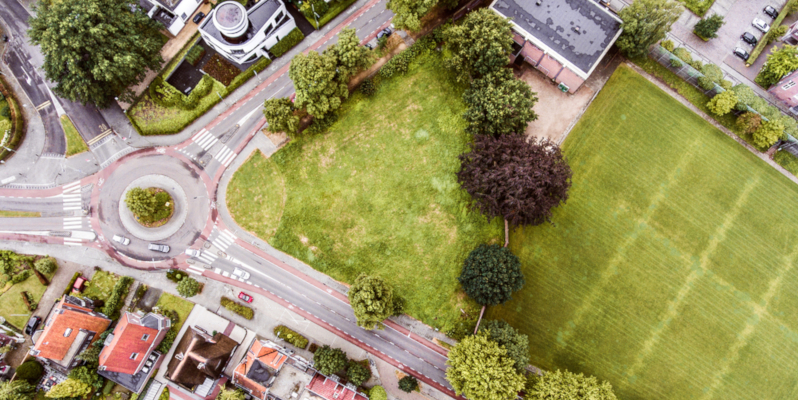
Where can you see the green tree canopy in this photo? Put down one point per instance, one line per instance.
(372, 301)
(491, 274)
(351, 56)
(707, 28)
(408, 384)
(69, 388)
(279, 114)
(480, 369)
(319, 88)
(16, 390)
(781, 61)
(479, 45)
(499, 104)
(644, 23)
(749, 122)
(516, 343)
(329, 360)
(357, 373)
(87, 375)
(408, 13)
(769, 132)
(95, 49)
(378, 393)
(722, 103)
(46, 265)
(230, 394)
(566, 385)
(140, 202)
(30, 370)
(188, 287)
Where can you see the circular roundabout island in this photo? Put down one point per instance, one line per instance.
(153, 207)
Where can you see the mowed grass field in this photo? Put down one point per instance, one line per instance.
(376, 194)
(671, 271)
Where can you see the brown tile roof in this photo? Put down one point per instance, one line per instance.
(53, 344)
(330, 389)
(251, 374)
(200, 355)
(127, 340)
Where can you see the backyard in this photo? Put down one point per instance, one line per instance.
(182, 307)
(669, 272)
(14, 309)
(376, 193)
(101, 285)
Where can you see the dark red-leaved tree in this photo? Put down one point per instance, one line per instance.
(515, 179)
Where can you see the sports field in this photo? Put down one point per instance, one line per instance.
(671, 270)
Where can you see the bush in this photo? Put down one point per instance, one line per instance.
(46, 265)
(30, 370)
(378, 393)
(768, 134)
(290, 336)
(195, 55)
(328, 360)
(697, 64)
(668, 45)
(725, 84)
(367, 87)
(118, 294)
(168, 340)
(787, 160)
(176, 275)
(20, 277)
(683, 54)
(676, 63)
(705, 83)
(749, 122)
(239, 309)
(400, 62)
(408, 384)
(188, 287)
(357, 373)
(287, 43)
(722, 103)
(68, 289)
(707, 28)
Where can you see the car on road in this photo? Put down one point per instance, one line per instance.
(761, 25)
(241, 273)
(158, 247)
(193, 253)
(749, 38)
(741, 53)
(245, 297)
(197, 18)
(121, 240)
(771, 12)
(32, 324)
(384, 33)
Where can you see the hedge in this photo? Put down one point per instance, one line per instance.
(762, 42)
(118, 293)
(68, 289)
(290, 336)
(17, 120)
(166, 95)
(287, 43)
(401, 62)
(195, 54)
(239, 309)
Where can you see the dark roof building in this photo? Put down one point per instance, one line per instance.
(199, 360)
(259, 368)
(564, 39)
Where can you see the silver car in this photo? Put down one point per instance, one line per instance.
(241, 273)
(193, 253)
(761, 25)
(121, 240)
(158, 247)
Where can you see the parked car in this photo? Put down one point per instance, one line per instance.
(241, 273)
(749, 38)
(761, 25)
(384, 33)
(197, 18)
(771, 12)
(245, 297)
(33, 323)
(158, 247)
(741, 53)
(193, 253)
(121, 240)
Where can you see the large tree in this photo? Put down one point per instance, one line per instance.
(768, 133)
(408, 13)
(516, 343)
(707, 28)
(357, 373)
(350, 55)
(95, 49)
(499, 104)
(16, 390)
(723, 103)
(140, 202)
(781, 61)
(480, 369)
(479, 45)
(319, 87)
(644, 23)
(491, 274)
(328, 360)
(372, 301)
(279, 114)
(188, 287)
(515, 179)
(566, 385)
(69, 388)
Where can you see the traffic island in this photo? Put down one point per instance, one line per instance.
(158, 204)
(169, 209)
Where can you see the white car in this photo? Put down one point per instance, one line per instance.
(193, 253)
(761, 25)
(121, 240)
(241, 274)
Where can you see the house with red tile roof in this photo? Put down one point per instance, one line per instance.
(329, 388)
(72, 326)
(129, 355)
(259, 368)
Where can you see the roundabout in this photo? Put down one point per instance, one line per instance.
(156, 172)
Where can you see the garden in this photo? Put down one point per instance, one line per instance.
(647, 277)
(376, 193)
(24, 280)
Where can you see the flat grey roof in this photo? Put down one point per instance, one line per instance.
(578, 30)
(258, 16)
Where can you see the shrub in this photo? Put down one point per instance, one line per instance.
(239, 309)
(787, 160)
(408, 384)
(328, 360)
(290, 336)
(46, 265)
(768, 134)
(682, 53)
(188, 287)
(20, 277)
(713, 72)
(749, 122)
(378, 393)
(705, 83)
(707, 28)
(667, 45)
(195, 55)
(722, 103)
(400, 62)
(118, 294)
(676, 63)
(357, 373)
(175, 275)
(68, 289)
(367, 87)
(30, 370)
(168, 340)
(697, 64)
(725, 84)
(287, 43)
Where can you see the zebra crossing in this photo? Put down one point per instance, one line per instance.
(73, 223)
(224, 238)
(205, 139)
(225, 156)
(194, 270)
(207, 257)
(72, 197)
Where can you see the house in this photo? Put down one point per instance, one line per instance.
(329, 388)
(129, 357)
(791, 37)
(173, 14)
(71, 327)
(199, 360)
(259, 368)
(241, 35)
(787, 91)
(563, 39)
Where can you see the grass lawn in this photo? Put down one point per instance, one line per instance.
(13, 308)
(6, 214)
(101, 285)
(376, 194)
(698, 7)
(670, 271)
(75, 143)
(335, 8)
(171, 302)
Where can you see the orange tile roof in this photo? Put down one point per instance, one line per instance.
(53, 344)
(127, 340)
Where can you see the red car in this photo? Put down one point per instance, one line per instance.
(245, 297)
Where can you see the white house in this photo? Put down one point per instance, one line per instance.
(242, 35)
(173, 14)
